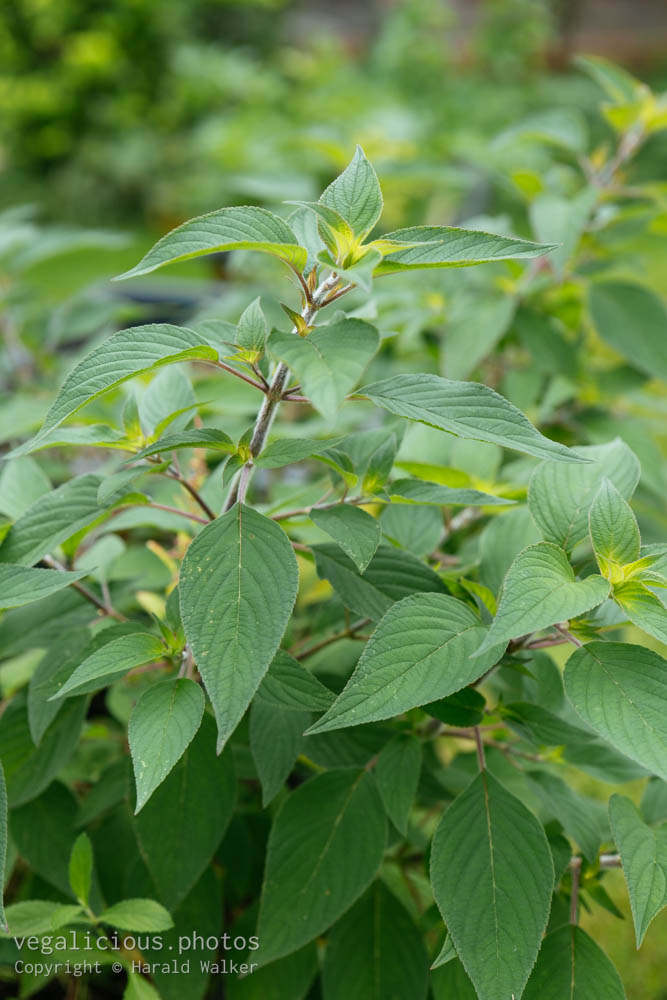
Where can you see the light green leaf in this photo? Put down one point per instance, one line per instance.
(113, 660)
(447, 246)
(489, 315)
(162, 725)
(632, 320)
(276, 738)
(207, 437)
(139, 988)
(240, 228)
(420, 652)
(643, 608)
(357, 532)
(289, 685)
(284, 452)
(487, 845)
(614, 531)
(251, 330)
(39, 916)
(397, 775)
(540, 589)
(375, 952)
(616, 82)
(417, 491)
(501, 541)
(620, 690)
(360, 272)
(571, 965)
(467, 409)
(337, 234)
(22, 481)
(644, 855)
(21, 585)
(3, 846)
(560, 495)
(333, 818)
(237, 588)
(447, 954)
(81, 868)
(329, 361)
(138, 915)
(355, 195)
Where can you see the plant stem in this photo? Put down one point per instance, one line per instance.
(564, 631)
(575, 868)
(91, 597)
(175, 474)
(177, 510)
(480, 749)
(346, 633)
(246, 378)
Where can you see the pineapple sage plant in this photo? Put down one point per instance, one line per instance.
(332, 722)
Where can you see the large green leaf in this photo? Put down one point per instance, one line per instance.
(540, 589)
(467, 409)
(240, 228)
(397, 774)
(163, 723)
(357, 532)
(237, 588)
(113, 660)
(633, 320)
(119, 358)
(570, 966)
(560, 495)
(614, 530)
(420, 652)
(3, 845)
(329, 361)
(620, 690)
(21, 585)
(419, 491)
(492, 876)
(289, 685)
(447, 246)
(375, 952)
(355, 195)
(643, 852)
(335, 826)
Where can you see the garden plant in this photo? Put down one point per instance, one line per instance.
(319, 683)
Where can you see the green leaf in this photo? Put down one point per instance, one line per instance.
(22, 481)
(3, 846)
(21, 585)
(357, 532)
(139, 988)
(206, 437)
(620, 690)
(463, 708)
(632, 320)
(280, 453)
(355, 195)
(138, 915)
(560, 495)
(397, 775)
(451, 981)
(488, 844)
(582, 819)
(644, 855)
(329, 361)
(614, 531)
(290, 976)
(643, 608)
(332, 820)
(467, 409)
(501, 541)
(417, 491)
(39, 916)
(237, 588)
(276, 739)
(390, 576)
(336, 234)
(251, 331)
(162, 725)
(127, 353)
(81, 868)
(240, 228)
(186, 817)
(540, 589)
(375, 952)
(113, 660)
(359, 273)
(447, 246)
(289, 685)
(571, 965)
(543, 727)
(420, 651)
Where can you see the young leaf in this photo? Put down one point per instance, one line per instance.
(276, 738)
(81, 868)
(237, 588)
(162, 725)
(280, 453)
(335, 825)
(446, 246)
(488, 844)
(375, 952)
(357, 532)
(643, 608)
(207, 437)
(21, 585)
(614, 531)
(113, 660)
(420, 652)
(355, 195)
(644, 855)
(251, 331)
(3, 846)
(540, 589)
(241, 228)
(397, 775)
(467, 409)
(288, 685)
(571, 965)
(632, 320)
(39, 916)
(560, 495)
(620, 690)
(137, 915)
(329, 361)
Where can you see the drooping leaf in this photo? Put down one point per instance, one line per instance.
(81, 868)
(375, 952)
(238, 584)
(138, 915)
(291, 686)
(163, 723)
(420, 651)
(488, 844)
(540, 589)
(447, 246)
(335, 826)
(643, 853)
(240, 228)
(632, 320)
(571, 965)
(397, 775)
(355, 195)
(113, 660)
(614, 531)
(357, 532)
(467, 409)
(21, 585)
(620, 690)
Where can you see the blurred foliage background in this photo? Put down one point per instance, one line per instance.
(118, 120)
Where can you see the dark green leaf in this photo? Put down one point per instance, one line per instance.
(397, 775)
(571, 965)
(644, 856)
(357, 532)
